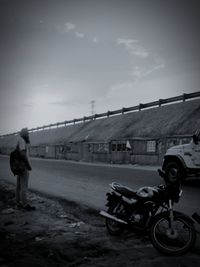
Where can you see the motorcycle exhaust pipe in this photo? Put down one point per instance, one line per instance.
(109, 216)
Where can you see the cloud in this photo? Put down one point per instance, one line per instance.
(72, 28)
(120, 95)
(79, 34)
(137, 72)
(69, 26)
(94, 40)
(142, 62)
(65, 28)
(133, 47)
(127, 42)
(144, 70)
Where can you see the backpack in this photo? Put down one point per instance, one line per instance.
(17, 162)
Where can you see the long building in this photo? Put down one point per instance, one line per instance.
(139, 137)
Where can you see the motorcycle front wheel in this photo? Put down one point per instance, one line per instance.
(176, 241)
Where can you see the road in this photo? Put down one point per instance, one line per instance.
(88, 183)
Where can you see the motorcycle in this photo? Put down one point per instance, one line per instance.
(150, 209)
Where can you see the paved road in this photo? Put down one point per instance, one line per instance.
(88, 183)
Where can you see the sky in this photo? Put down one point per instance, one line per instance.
(56, 56)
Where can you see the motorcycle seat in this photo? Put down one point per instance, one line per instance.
(124, 190)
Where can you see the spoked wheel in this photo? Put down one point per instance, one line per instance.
(113, 227)
(176, 241)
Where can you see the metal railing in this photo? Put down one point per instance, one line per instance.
(139, 107)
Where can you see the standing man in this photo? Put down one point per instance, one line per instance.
(22, 179)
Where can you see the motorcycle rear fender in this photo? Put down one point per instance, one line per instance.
(115, 193)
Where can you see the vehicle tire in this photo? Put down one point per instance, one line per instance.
(114, 228)
(177, 243)
(174, 172)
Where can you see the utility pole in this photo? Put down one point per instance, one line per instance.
(92, 103)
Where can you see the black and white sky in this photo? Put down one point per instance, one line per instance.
(58, 55)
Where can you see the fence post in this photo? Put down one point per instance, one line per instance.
(140, 106)
(123, 110)
(184, 96)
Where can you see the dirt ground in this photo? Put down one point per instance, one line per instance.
(61, 233)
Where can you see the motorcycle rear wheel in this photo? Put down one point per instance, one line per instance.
(172, 243)
(114, 228)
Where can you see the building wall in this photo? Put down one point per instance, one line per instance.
(50, 151)
(132, 151)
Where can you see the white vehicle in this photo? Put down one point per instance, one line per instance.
(183, 160)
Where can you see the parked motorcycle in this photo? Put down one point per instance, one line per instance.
(151, 209)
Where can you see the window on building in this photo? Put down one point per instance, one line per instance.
(105, 147)
(101, 148)
(124, 147)
(151, 146)
(114, 147)
(120, 146)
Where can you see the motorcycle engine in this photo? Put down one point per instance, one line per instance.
(136, 218)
